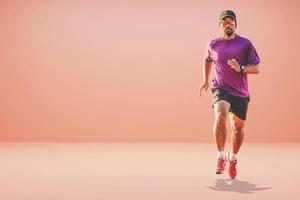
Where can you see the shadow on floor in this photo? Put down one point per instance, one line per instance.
(235, 185)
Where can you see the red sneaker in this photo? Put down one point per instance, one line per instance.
(221, 165)
(232, 168)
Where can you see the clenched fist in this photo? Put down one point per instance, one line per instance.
(234, 65)
(204, 86)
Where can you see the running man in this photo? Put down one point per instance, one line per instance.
(233, 57)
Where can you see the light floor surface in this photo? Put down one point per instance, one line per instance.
(145, 171)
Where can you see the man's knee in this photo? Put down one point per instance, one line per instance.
(221, 110)
(220, 119)
(238, 127)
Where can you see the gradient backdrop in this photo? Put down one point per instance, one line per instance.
(130, 70)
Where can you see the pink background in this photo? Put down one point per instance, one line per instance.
(130, 71)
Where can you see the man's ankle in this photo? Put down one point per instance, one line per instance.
(232, 156)
(221, 154)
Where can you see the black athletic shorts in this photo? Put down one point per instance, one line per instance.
(238, 105)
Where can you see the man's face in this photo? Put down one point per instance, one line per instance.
(228, 26)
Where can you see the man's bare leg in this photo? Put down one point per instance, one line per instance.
(221, 109)
(237, 133)
(237, 136)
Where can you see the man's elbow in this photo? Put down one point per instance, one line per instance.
(207, 60)
(257, 69)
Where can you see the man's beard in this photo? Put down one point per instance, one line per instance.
(228, 31)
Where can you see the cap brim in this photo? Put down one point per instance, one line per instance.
(228, 16)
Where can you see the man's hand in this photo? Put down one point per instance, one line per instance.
(234, 65)
(204, 86)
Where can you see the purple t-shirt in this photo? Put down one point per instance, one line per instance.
(219, 51)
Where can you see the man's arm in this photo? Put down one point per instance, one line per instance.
(251, 69)
(206, 69)
(206, 72)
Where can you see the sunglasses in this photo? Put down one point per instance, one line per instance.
(225, 22)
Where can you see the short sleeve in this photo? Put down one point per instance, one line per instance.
(208, 51)
(252, 56)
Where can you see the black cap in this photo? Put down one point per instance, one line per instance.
(227, 13)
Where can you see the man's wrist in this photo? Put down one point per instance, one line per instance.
(242, 67)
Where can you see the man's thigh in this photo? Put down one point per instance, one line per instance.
(221, 108)
(235, 121)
